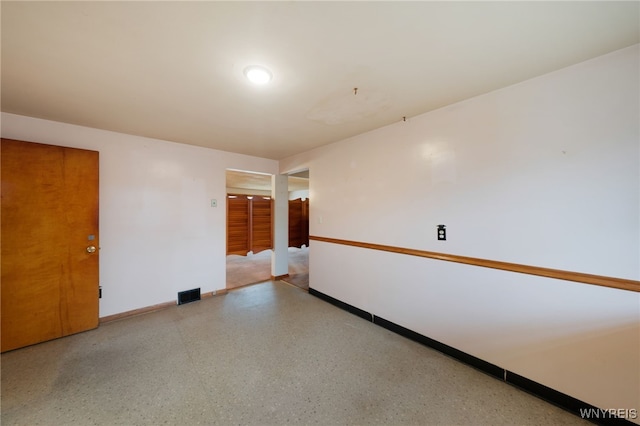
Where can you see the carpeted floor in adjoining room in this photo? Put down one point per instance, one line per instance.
(256, 268)
(268, 354)
(298, 267)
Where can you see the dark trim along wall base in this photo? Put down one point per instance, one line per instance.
(564, 401)
(342, 305)
(482, 365)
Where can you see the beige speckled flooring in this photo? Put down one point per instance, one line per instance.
(268, 354)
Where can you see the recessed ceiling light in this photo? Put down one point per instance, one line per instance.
(257, 74)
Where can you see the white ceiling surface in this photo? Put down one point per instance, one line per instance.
(174, 70)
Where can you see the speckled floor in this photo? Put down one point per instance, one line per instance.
(268, 354)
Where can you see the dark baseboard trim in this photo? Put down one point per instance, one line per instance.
(564, 401)
(482, 365)
(342, 305)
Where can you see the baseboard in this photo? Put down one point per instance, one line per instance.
(342, 305)
(562, 400)
(214, 293)
(279, 277)
(480, 364)
(135, 312)
(567, 402)
(153, 308)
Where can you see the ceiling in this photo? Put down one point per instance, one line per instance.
(174, 70)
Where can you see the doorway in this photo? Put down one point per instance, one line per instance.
(245, 263)
(299, 230)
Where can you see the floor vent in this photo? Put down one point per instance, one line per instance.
(188, 296)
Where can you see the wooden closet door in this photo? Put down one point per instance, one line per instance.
(50, 243)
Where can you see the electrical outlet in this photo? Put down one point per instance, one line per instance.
(442, 233)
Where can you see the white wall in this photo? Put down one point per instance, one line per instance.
(158, 232)
(542, 173)
(302, 194)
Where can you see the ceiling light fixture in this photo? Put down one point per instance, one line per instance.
(257, 74)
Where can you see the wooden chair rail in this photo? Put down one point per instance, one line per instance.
(619, 283)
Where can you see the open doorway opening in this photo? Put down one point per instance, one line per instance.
(249, 233)
(298, 250)
(248, 248)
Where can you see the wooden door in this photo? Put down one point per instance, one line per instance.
(248, 224)
(49, 213)
(304, 223)
(261, 224)
(237, 225)
(298, 223)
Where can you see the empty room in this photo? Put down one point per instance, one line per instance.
(462, 179)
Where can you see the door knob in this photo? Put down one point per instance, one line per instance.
(91, 249)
